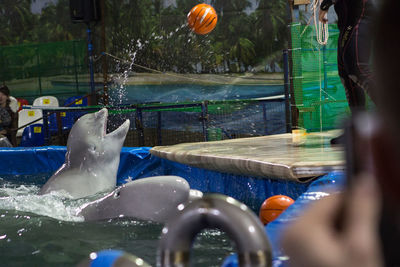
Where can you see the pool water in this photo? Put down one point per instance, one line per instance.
(175, 93)
(44, 231)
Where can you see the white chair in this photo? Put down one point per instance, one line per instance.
(26, 116)
(13, 104)
(45, 101)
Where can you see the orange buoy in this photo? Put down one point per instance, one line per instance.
(273, 206)
(202, 18)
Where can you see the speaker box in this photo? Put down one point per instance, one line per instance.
(85, 10)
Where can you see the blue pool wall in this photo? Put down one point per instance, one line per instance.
(36, 165)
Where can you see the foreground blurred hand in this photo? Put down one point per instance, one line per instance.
(313, 239)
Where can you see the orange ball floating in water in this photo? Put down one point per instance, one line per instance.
(273, 206)
(202, 19)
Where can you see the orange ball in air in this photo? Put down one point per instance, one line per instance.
(273, 206)
(202, 19)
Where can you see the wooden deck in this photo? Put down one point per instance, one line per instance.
(275, 156)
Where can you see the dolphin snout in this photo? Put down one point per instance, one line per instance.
(102, 112)
(121, 131)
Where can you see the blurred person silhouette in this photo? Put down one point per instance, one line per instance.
(370, 222)
(8, 116)
(354, 50)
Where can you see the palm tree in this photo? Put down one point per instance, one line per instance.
(54, 24)
(243, 51)
(16, 21)
(232, 35)
(271, 26)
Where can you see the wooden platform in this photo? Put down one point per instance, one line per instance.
(274, 156)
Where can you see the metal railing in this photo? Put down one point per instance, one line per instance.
(167, 124)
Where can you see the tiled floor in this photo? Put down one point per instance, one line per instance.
(274, 156)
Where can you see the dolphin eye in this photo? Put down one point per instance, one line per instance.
(117, 194)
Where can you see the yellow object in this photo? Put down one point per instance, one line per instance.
(46, 101)
(63, 114)
(79, 102)
(31, 113)
(299, 136)
(37, 129)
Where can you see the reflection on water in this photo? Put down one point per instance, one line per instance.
(44, 231)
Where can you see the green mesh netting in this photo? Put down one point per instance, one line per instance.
(38, 69)
(318, 92)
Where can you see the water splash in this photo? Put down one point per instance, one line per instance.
(124, 71)
(124, 67)
(24, 198)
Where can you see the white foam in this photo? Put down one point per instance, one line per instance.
(24, 198)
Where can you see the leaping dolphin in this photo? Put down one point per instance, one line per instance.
(92, 158)
(153, 198)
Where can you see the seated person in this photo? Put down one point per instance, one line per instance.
(5, 119)
(8, 118)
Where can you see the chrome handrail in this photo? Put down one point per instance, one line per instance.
(214, 211)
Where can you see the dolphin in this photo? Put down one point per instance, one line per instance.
(92, 157)
(151, 199)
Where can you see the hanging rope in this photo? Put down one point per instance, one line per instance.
(321, 29)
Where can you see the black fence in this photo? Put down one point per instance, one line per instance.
(168, 124)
